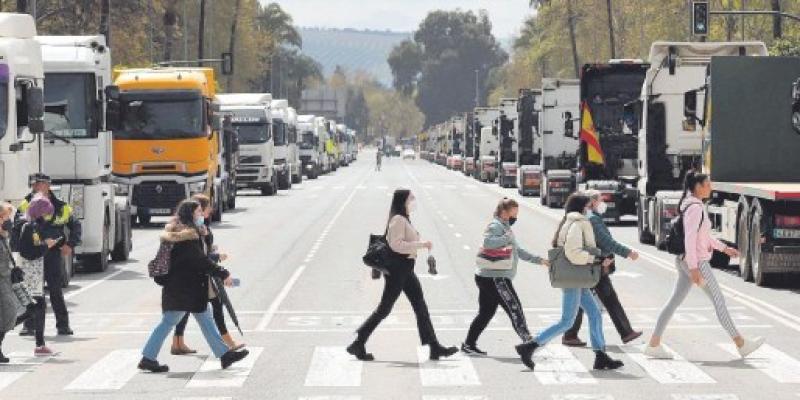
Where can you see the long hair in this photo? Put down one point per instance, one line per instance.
(185, 213)
(576, 202)
(399, 203)
(690, 181)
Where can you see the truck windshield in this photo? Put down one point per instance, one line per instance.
(607, 95)
(69, 103)
(307, 140)
(252, 133)
(280, 132)
(3, 103)
(154, 119)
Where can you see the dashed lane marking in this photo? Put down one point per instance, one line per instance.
(675, 371)
(556, 365)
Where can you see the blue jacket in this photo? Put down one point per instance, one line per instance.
(497, 235)
(604, 240)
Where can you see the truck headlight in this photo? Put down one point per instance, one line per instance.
(197, 187)
(76, 198)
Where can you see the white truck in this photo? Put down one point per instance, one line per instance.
(352, 144)
(456, 128)
(76, 149)
(529, 176)
(668, 145)
(559, 144)
(488, 144)
(296, 168)
(309, 128)
(323, 159)
(506, 125)
(279, 110)
(341, 142)
(251, 118)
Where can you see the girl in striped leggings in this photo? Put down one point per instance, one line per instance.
(694, 268)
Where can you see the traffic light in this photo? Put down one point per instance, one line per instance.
(700, 18)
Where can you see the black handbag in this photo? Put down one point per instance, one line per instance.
(379, 255)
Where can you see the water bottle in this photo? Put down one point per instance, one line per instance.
(432, 265)
(236, 282)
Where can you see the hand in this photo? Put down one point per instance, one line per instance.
(696, 277)
(428, 245)
(223, 257)
(50, 243)
(634, 255)
(607, 263)
(731, 252)
(66, 250)
(228, 282)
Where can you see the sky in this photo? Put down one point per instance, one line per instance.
(399, 15)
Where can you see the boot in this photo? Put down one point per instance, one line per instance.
(228, 339)
(147, 364)
(525, 351)
(358, 350)
(180, 348)
(438, 351)
(233, 356)
(603, 361)
(4, 359)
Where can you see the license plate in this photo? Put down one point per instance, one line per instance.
(160, 211)
(786, 233)
(560, 190)
(532, 182)
(611, 205)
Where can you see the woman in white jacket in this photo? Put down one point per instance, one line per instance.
(576, 235)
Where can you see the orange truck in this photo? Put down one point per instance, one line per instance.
(166, 141)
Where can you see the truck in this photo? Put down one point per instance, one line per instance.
(469, 144)
(310, 128)
(559, 144)
(323, 159)
(250, 118)
(607, 153)
(352, 144)
(455, 142)
(668, 145)
(341, 143)
(76, 150)
(279, 110)
(488, 144)
(529, 162)
(295, 167)
(332, 148)
(166, 138)
(505, 124)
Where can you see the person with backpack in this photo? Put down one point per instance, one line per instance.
(576, 236)
(605, 289)
(185, 288)
(404, 242)
(692, 229)
(494, 278)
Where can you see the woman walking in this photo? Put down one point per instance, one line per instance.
(576, 236)
(185, 288)
(405, 241)
(494, 285)
(8, 301)
(694, 268)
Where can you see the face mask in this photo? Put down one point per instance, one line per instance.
(512, 220)
(602, 208)
(412, 206)
(7, 226)
(199, 221)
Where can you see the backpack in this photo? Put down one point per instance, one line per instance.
(158, 267)
(674, 240)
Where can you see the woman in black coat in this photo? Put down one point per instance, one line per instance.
(185, 288)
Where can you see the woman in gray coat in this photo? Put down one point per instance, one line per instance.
(8, 302)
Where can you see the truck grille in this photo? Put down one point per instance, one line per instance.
(246, 178)
(164, 195)
(247, 171)
(250, 159)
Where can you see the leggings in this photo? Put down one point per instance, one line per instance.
(219, 319)
(493, 292)
(682, 286)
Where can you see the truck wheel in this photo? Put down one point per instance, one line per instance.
(743, 240)
(268, 190)
(99, 262)
(122, 249)
(216, 216)
(297, 178)
(756, 255)
(645, 237)
(232, 201)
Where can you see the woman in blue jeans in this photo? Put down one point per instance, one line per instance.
(576, 235)
(185, 289)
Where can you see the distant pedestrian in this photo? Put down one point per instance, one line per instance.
(494, 285)
(576, 236)
(379, 156)
(185, 288)
(405, 241)
(605, 289)
(8, 301)
(694, 268)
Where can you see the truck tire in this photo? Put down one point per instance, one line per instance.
(122, 249)
(216, 216)
(645, 237)
(297, 178)
(743, 240)
(757, 258)
(232, 201)
(99, 262)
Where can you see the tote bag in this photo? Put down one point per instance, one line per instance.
(566, 275)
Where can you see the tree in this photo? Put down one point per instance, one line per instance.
(279, 25)
(232, 45)
(405, 61)
(170, 27)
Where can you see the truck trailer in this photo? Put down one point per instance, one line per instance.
(559, 144)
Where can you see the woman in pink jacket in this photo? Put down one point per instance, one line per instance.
(694, 268)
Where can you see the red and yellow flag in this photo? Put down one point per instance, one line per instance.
(589, 136)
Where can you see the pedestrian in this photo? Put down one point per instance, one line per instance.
(404, 241)
(8, 301)
(494, 285)
(576, 236)
(694, 268)
(61, 223)
(605, 289)
(185, 288)
(33, 249)
(179, 346)
(379, 156)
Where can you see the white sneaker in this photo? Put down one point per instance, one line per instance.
(750, 345)
(657, 352)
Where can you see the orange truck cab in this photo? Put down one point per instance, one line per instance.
(165, 142)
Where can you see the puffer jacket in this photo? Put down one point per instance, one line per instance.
(187, 284)
(577, 237)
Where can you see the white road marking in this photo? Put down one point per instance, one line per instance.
(437, 277)
(111, 372)
(329, 398)
(774, 363)
(450, 225)
(19, 359)
(466, 247)
(627, 274)
(458, 235)
(211, 375)
(451, 397)
(677, 370)
(456, 370)
(265, 320)
(556, 365)
(705, 397)
(202, 398)
(583, 397)
(333, 366)
(338, 187)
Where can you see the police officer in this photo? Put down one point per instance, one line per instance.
(61, 224)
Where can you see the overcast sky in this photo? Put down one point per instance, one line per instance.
(399, 15)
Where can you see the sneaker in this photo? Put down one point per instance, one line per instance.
(147, 364)
(472, 350)
(750, 345)
(603, 361)
(657, 352)
(42, 351)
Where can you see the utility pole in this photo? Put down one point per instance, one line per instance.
(105, 20)
(777, 23)
(201, 31)
(477, 90)
(611, 29)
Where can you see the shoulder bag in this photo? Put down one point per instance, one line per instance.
(566, 275)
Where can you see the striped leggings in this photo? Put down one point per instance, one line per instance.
(682, 286)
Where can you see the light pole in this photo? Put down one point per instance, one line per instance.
(477, 90)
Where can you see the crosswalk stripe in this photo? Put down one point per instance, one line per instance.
(329, 398)
(203, 398)
(556, 365)
(774, 363)
(333, 366)
(677, 370)
(111, 372)
(583, 397)
(19, 359)
(451, 397)
(211, 375)
(705, 397)
(456, 370)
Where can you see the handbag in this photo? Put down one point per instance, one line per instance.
(566, 275)
(495, 259)
(379, 254)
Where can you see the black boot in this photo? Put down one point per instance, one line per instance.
(525, 352)
(153, 366)
(603, 361)
(358, 350)
(3, 359)
(438, 351)
(233, 356)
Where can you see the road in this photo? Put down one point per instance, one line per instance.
(304, 290)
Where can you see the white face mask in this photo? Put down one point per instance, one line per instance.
(601, 208)
(412, 206)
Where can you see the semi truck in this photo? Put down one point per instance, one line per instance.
(455, 142)
(488, 144)
(309, 129)
(529, 175)
(323, 159)
(332, 150)
(607, 153)
(559, 144)
(469, 144)
(341, 145)
(76, 151)
(250, 118)
(668, 144)
(279, 109)
(296, 168)
(505, 124)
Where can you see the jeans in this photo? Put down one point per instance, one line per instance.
(493, 292)
(608, 296)
(171, 318)
(572, 300)
(219, 319)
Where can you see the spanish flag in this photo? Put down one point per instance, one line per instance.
(589, 136)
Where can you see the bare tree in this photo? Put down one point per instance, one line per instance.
(611, 29)
(170, 27)
(232, 45)
(571, 19)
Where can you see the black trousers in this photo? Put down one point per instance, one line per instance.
(608, 296)
(402, 280)
(53, 277)
(219, 318)
(37, 319)
(493, 292)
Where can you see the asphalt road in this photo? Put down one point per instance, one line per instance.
(304, 290)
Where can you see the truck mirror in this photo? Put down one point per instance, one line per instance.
(690, 104)
(36, 126)
(35, 103)
(568, 129)
(227, 63)
(112, 114)
(112, 92)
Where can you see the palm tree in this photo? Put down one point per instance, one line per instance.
(276, 22)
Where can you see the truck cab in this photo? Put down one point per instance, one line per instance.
(77, 148)
(341, 145)
(488, 144)
(529, 175)
(309, 128)
(324, 161)
(332, 148)
(469, 144)
(352, 143)
(294, 146)
(279, 110)
(506, 126)
(455, 143)
(559, 144)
